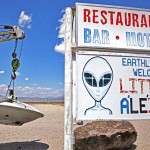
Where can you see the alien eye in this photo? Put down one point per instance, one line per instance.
(90, 79)
(105, 80)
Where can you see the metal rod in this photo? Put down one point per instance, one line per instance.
(13, 88)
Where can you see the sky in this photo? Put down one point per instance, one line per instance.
(41, 71)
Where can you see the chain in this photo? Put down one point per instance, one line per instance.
(8, 87)
(21, 50)
(15, 46)
(15, 64)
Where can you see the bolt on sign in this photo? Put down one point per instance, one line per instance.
(113, 87)
(112, 27)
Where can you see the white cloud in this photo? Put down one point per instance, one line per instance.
(3, 86)
(2, 71)
(33, 91)
(61, 47)
(35, 84)
(25, 20)
(26, 79)
(3, 89)
(61, 33)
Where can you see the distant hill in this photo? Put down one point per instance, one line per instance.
(38, 99)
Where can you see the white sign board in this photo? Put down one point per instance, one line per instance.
(113, 87)
(112, 27)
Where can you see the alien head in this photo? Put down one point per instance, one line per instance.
(97, 77)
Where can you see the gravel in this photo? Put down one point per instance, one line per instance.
(47, 133)
(42, 134)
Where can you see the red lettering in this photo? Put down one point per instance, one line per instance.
(128, 19)
(143, 21)
(133, 85)
(119, 19)
(111, 16)
(141, 82)
(149, 21)
(148, 80)
(104, 19)
(95, 16)
(86, 15)
(135, 20)
(121, 87)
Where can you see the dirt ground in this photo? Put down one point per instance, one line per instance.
(143, 139)
(47, 133)
(42, 134)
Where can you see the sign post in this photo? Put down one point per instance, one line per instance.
(68, 81)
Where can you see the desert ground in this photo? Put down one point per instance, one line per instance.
(47, 133)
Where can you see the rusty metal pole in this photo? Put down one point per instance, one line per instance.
(68, 144)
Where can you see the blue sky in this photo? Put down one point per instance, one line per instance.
(42, 68)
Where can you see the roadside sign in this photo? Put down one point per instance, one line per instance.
(105, 76)
(101, 26)
(113, 87)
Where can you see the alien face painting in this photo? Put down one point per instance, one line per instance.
(97, 81)
(111, 87)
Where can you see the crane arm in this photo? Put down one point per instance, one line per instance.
(12, 32)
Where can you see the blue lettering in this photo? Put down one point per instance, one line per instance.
(133, 62)
(141, 72)
(124, 104)
(124, 62)
(143, 63)
(140, 39)
(105, 37)
(87, 35)
(147, 39)
(135, 72)
(147, 64)
(96, 37)
(129, 61)
(148, 72)
(131, 39)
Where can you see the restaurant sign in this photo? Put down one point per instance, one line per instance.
(103, 26)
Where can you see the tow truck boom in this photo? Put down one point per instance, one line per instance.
(12, 32)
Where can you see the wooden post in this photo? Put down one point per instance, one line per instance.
(68, 82)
